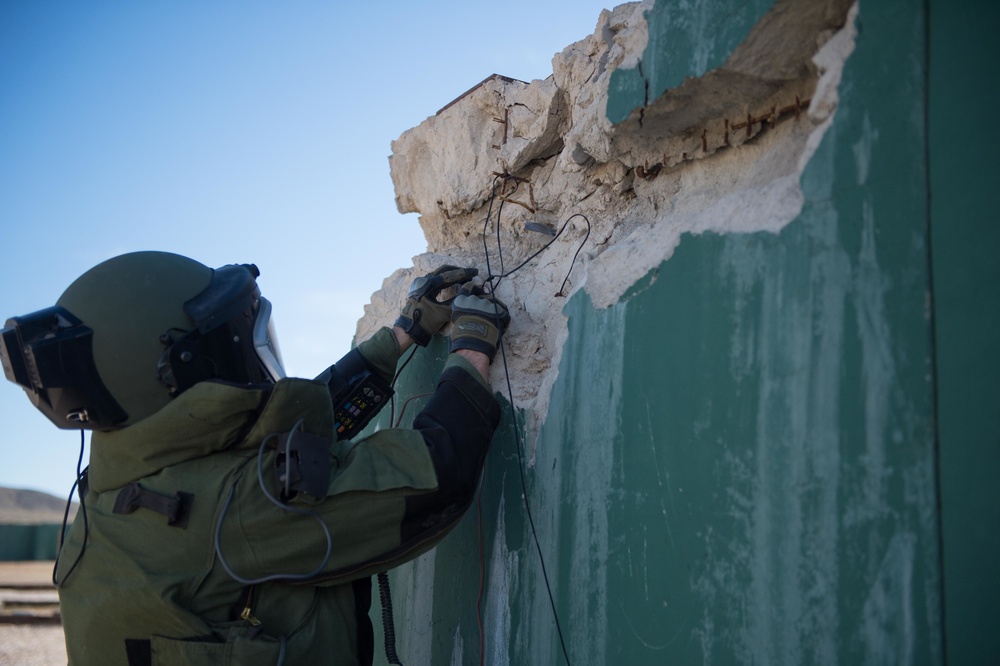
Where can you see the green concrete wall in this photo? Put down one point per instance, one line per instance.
(740, 459)
(966, 242)
(686, 39)
(28, 542)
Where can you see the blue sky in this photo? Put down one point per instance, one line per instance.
(230, 132)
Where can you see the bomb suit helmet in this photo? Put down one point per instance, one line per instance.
(134, 332)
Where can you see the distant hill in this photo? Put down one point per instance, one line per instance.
(27, 507)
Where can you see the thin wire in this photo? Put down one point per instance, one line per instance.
(486, 250)
(281, 650)
(284, 507)
(385, 595)
(545, 247)
(83, 509)
(413, 350)
(486, 222)
(402, 412)
(527, 506)
(577, 253)
(499, 216)
(517, 435)
(392, 385)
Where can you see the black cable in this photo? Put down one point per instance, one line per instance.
(524, 494)
(385, 595)
(284, 507)
(282, 649)
(513, 410)
(388, 626)
(80, 477)
(486, 222)
(486, 251)
(545, 247)
(384, 592)
(499, 217)
(392, 385)
(577, 253)
(413, 351)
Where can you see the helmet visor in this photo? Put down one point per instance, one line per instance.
(265, 341)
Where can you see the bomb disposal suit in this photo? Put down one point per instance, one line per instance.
(227, 515)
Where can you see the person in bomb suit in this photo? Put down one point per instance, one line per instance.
(229, 514)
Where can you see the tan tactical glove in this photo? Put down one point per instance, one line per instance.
(480, 320)
(423, 315)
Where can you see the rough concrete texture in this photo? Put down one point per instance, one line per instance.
(720, 153)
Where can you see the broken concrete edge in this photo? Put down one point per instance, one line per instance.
(508, 156)
(491, 77)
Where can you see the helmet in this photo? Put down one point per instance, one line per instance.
(136, 331)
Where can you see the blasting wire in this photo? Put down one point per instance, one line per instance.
(486, 222)
(577, 253)
(385, 595)
(524, 493)
(406, 404)
(284, 507)
(545, 247)
(81, 475)
(513, 414)
(486, 251)
(392, 384)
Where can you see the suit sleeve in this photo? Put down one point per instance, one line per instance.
(457, 426)
(397, 492)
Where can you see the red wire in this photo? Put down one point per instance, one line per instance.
(406, 404)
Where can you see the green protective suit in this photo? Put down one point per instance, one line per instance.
(172, 500)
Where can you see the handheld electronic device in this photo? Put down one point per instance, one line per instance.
(358, 394)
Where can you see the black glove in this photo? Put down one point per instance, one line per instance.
(480, 319)
(422, 315)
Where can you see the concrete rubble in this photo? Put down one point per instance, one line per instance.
(720, 153)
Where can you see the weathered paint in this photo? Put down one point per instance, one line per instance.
(738, 463)
(686, 39)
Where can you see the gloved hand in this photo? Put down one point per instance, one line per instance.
(423, 315)
(480, 320)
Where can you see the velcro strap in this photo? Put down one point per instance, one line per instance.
(303, 464)
(177, 509)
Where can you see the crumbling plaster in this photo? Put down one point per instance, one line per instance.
(720, 153)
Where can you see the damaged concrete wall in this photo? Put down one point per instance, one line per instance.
(720, 362)
(559, 155)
